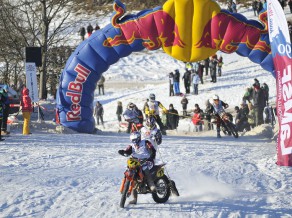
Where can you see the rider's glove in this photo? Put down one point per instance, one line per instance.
(121, 152)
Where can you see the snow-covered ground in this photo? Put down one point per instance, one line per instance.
(47, 174)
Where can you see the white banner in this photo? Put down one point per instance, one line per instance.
(281, 52)
(31, 81)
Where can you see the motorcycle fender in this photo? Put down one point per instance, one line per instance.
(160, 173)
(122, 185)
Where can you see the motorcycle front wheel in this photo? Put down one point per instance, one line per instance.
(162, 190)
(125, 193)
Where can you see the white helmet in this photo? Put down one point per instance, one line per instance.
(215, 97)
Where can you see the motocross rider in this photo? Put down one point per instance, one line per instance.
(216, 106)
(151, 132)
(153, 109)
(144, 151)
(131, 115)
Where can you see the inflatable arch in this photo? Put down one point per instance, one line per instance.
(188, 30)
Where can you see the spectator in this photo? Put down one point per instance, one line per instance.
(206, 65)
(197, 107)
(201, 71)
(213, 68)
(232, 7)
(241, 120)
(251, 115)
(265, 89)
(256, 81)
(26, 108)
(6, 108)
(195, 81)
(289, 23)
(100, 85)
(187, 83)
(269, 115)
(184, 103)
(119, 111)
(265, 6)
(96, 27)
(176, 79)
(290, 6)
(255, 7)
(220, 64)
(98, 113)
(197, 121)
(260, 6)
(282, 3)
(248, 94)
(171, 84)
(172, 118)
(207, 115)
(2, 100)
(259, 104)
(89, 30)
(82, 33)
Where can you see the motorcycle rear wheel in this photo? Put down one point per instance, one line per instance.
(162, 190)
(125, 193)
(233, 130)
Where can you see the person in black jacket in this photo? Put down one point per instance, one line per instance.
(176, 82)
(172, 118)
(119, 111)
(259, 104)
(171, 77)
(98, 112)
(187, 80)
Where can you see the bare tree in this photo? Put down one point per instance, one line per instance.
(39, 23)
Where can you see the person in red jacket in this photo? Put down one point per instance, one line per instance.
(197, 121)
(26, 110)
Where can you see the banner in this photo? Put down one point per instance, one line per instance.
(281, 52)
(31, 81)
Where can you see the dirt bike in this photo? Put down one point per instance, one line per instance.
(227, 126)
(135, 179)
(226, 119)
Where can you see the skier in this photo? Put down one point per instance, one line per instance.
(217, 105)
(142, 150)
(153, 109)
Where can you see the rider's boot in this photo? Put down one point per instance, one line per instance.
(135, 197)
(150, 180)
(218, 132)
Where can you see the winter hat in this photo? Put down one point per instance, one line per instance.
(171, 105)
(236, 108)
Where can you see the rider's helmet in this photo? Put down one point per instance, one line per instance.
(215, 97)
(131, 106)
(135, 137)
(152, 97)
(150, 122)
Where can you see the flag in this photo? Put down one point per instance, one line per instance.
(281, 53)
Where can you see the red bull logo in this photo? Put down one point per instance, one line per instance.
(225, 32)
(156, 29)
